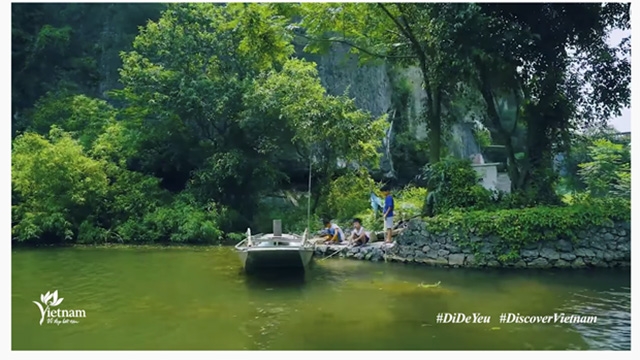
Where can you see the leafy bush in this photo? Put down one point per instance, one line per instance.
(607, 173)
(454, 184)
(518, 227)
(55, 186)
(581, 152)
(61, 194)
(409, 201)
(79, 115)
(349, 195)
(182, 221)
(482, 137)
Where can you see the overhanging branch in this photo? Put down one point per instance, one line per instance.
(360, 48)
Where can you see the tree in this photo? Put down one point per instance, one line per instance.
(330, 129)
(552, 64)
(55, 186)
(199, 95)
(424, 34)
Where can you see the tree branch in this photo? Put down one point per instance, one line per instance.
(395, 21)
(368, 52)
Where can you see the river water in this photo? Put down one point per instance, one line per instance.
(199, 299)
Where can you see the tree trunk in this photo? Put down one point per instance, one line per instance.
(435, 127)
(539, 177)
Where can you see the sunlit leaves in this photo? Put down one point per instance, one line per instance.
(349, 195)
(606, 173)
(329, 123)
(188, 73)
(221, 103)
(83, 117)
(56, 184)
(370, 31)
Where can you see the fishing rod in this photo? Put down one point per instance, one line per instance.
(309, 197)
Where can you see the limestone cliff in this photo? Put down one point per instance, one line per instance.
(373, 87)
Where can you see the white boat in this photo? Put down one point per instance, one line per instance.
(275, 251)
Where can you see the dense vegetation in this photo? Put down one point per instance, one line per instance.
(206, 120)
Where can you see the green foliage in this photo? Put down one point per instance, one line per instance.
(228, 105)
(515, 228)
(579, 153)
(212, 108)
(55, 185)
(59, 193)
(348, 196)
(183, 220)
(483, 137)
(607, 173)
(557, 92)
(70, 46)
(429, 36)
(187, 75)
(454, 184)
(85, 118)
(332, 125)
(409, 202)
(407, 153)
(214, 113)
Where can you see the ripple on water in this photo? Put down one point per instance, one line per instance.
(612, 331)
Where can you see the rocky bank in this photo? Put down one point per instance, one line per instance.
(606, 246)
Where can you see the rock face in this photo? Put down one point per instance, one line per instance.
(596, 247)
(371, 87)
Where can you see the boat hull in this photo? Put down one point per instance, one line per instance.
(273, 258)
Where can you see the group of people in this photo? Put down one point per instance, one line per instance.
(360, 236)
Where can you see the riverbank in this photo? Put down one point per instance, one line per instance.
(599, 246)
(590, 234)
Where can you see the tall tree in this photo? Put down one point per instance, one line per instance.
(217, 101)
(427, 35)
(554, 67)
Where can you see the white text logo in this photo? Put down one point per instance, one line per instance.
(56, 316)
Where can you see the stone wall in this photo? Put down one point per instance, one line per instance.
(596, 247)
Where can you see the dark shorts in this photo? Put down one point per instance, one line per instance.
(366, 240)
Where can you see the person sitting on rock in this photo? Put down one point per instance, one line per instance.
(334, 232)
(359, 236)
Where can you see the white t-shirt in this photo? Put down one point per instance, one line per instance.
(359, 232)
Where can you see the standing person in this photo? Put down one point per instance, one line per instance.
(388, 213)
(334, 232)
(359, 235)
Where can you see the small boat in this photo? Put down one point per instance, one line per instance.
(275, 251)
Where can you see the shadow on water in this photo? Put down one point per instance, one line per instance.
(276, 279)
(289, 278)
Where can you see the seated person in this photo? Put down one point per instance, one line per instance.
(359, 235)
(334, 232)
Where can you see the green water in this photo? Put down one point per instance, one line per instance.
(198, 298)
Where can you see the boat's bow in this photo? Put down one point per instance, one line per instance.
(275, 250)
